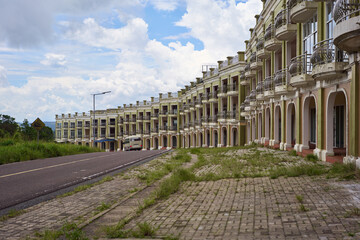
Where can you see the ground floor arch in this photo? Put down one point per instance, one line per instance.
(309, 128)
(234, 140)
(267, 124)
(277, 125)
(336, 123)
(224, 136)
(290, 126)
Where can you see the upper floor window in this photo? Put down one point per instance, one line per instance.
(79, 123)
(58, 125)
(66, 124)
(72, 124)
(329, 20)
(310, 35)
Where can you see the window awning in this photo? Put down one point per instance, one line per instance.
(105, 140)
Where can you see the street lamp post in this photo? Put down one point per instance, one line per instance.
(94, 94)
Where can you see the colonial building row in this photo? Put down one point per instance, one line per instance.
(296, 86)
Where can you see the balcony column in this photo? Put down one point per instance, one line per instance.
(320, 146)
(298, 116)
(354, 114)
(263, 126)
(272, 133)
(283, 125)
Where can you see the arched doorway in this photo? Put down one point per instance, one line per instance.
(156, 143)
(215, 138)
(253, 130)
(148, 144)
(201, 139)
(174, 141)
(336, 120)
(260, 127)
(309, 123)
(290, 126)
(234, 137)
(224, 137)
(189, 141)
(208, 138)
(277, 125)
(248, 133)
(194, 140)
(267, 125)
(165, 141)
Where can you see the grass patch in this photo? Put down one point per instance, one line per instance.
(293, 153)
(69, 231)
(303, 208)
(12, 213)
(175, 162)
(300, 170)
(312, 158)
(343, 171)
(11, 151)
(144, 230)
(103, 207)
(300, 198)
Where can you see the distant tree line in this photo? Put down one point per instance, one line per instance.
(11, 129)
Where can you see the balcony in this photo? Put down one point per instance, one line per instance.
(301, 10)
(268, 87)
(221, 116)
(213, 97)
(111, 135)
(252, 98)
(192, 106)
(284, 30)
(163, 113)
(186, 108)
(300, 71)
(147, 118)
(261, 52)
(163, 128)
(243, 80)
(249, 73)
(222, 91)
(247, 104)
(103, 135)
(155, 130)
(87, 125)
(255, 63)
(212, 119)
(243, 112)
(126, 120)
(139, 132)
(173, 112)
(232, 115)
(281, 82)
(232, 89)
(112, 123)
(204, 120)
(271, 43)
(198, 123)
(154, 116)
(205, 97)
(133, 120)
(139, 119)
(146, 132)
(327, 61)
(103, 124)
(198, 103)
(347, 28)
(259, 91)
(172, 128)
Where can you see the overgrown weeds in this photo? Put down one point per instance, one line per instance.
(69, 231)
(16, 151)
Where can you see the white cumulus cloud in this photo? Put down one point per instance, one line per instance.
(133, 35)
(3, 77)
(54, 60)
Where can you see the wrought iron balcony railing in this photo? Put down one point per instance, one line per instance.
(260, 44)
(269, 32)
(268, 83)
(253, 57)
(345, 9)
(326, 52)
(300, 65)
(281, 18)
(281, 77)
(232, 87)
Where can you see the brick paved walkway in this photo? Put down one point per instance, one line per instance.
(75, 208)
(257, 208)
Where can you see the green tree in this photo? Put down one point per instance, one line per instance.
(46, 134)
(28, 132)
(8, 124)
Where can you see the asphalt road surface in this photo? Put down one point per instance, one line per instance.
(23, 181)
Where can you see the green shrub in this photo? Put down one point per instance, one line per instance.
(293, 153)
(312, 158)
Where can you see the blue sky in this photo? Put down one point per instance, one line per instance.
(53, 54)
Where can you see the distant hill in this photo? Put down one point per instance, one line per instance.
(50, 125)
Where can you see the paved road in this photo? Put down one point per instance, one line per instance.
(23, 181)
